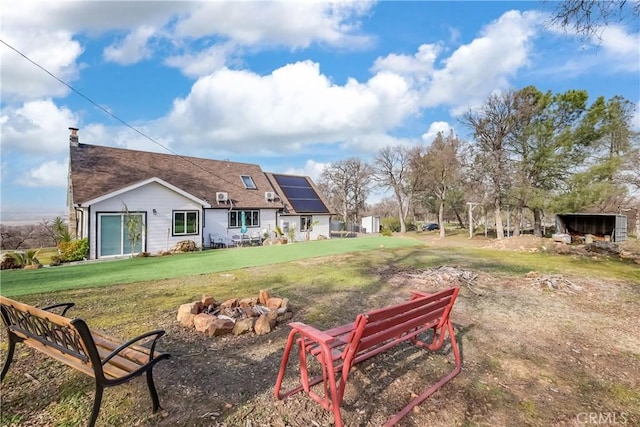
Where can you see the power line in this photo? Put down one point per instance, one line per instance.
(110, 114)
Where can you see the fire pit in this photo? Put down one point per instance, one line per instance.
(235, 316)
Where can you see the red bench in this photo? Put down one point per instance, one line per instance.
(337, 350)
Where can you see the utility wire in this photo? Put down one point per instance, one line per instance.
(109, 113)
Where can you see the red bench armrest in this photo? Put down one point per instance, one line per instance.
(311, 332)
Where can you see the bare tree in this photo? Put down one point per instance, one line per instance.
(17, 236)
(439, 170)
(392, 166)
(492, 124)
(589, 17)
(347, 184)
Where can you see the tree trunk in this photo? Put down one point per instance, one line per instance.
(460, 221)
(441, 218)
(518, 222)
(498, 216)
(537, 222)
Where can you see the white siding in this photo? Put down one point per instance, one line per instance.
(321, 228)
(217, 222)
(159, 234)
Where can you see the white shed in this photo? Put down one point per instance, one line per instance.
(371, 224)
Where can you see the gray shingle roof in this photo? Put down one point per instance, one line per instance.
(97, 170)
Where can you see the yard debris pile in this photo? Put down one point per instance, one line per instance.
(555, 282)
(235, 316)
(445, 274)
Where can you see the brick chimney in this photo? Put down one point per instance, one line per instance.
(73, 137)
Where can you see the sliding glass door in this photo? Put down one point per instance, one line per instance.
(114, 237)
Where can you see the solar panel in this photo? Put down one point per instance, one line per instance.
(300, 193)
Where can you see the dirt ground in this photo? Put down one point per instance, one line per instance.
(533, 355)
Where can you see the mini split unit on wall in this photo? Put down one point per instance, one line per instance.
(222, 197)
(270, 196)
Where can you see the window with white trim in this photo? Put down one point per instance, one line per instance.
(306, 223)
(185, 222)
(248, 182)
(251, 218)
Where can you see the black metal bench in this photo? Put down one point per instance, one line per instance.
(109, 361)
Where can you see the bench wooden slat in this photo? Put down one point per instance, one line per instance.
(384, 313)
(397, 330)
(71, 342)
(374, 327)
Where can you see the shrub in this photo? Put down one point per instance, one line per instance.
(390, 223)
(386, 232)
(75, 250)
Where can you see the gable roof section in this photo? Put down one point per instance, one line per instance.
(98, 171)
(299, 194)
(142, 184)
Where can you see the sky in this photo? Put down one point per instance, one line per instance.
(291, 86)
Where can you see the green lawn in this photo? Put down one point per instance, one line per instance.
(104, 273)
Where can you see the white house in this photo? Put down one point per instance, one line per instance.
(210, 202)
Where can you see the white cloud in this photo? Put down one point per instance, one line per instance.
(205, 61)
(372, 143)
(434, 128)
(55, 51)
(474, 70)
(292, 24)
(49, 174)
(622, 49)
(419, 65)
(294, 105)
(133, 48)
(36, 128)
(311, 169)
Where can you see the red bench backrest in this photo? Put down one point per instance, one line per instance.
(379, 326)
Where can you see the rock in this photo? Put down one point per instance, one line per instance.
(202, 322)
(184, 246)
(190, 308)
(532, 275)
(321, 237)
(32, 266)
(274, 303)
(220, 327)
(247, 302)
(262, 325)
(230, 303)
(186, 319)
(285, 304)
(561, 237)
(599, 247)
(284, 317)
(273, 318)
(208, 300)
(264, 297)
(242, 326)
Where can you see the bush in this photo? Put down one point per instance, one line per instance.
(75, 250)
(390, 223)
(386, 232)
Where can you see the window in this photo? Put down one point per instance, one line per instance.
(185, 222)
(306, 223)
(251, 218)
(248, 182)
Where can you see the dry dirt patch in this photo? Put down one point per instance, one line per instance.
(531, 356)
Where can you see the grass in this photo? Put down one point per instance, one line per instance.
(96, 274)
(328, 282)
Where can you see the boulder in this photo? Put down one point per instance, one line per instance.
(263, 297)
(242, 326)
(184, 246)
(262, 325)
(203, 322)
